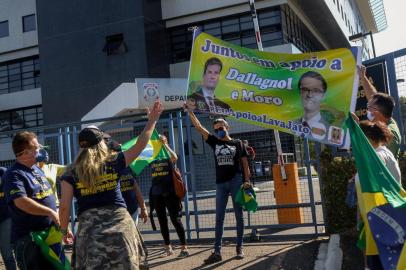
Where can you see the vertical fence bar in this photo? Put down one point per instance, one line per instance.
(69, 161)
(192, 175)
(183, 169)
(310, 184)
(60, 147)
(317, 151)
(75, 142)
(393, 86)
(171, 132)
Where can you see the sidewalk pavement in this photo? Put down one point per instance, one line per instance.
(259, 256)
(266, 255)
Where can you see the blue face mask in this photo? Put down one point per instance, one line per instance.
(42, 156)
(221, 134)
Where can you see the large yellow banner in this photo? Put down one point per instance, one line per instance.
(306, 94)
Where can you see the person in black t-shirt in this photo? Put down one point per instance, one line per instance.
(162, 197)
(230, 157)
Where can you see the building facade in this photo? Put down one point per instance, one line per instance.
(59, 60)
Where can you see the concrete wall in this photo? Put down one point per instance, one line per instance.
(20, 99)
(74, 67)
(13, 11)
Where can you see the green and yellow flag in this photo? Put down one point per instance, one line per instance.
(50, 243)
(247, 198)
(382, 203)
(153, 151)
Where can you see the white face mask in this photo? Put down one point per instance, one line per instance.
(370, 116)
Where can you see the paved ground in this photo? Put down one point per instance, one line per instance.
(285, 255)
(264, 255)
(265, 197)
(259, 256)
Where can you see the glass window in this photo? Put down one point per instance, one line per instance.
(3, 88)
(211, 25)
(230, 21)
(4, 29)
(233, 28)
(237, 29)
(270, 21)
(214, 32)
(19, 75)
(268, 14)
(14, 71)
(115, 45)
(28, 83)
(29, 23)
(17, 119)
(15, 86)
(249, 41)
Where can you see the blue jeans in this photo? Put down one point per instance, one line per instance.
(222, 192)
(5, 244)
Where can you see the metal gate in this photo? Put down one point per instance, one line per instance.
(197, 165)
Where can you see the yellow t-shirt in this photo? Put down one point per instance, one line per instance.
(52, 171)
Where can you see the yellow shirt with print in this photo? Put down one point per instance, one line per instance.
(52, 172)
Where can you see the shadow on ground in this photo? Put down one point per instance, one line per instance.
(259, 255)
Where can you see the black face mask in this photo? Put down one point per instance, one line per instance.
(112, 145)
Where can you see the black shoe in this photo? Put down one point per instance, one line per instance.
(213, 258)
(240, 253)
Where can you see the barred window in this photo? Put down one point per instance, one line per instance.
(238, 30)
(294, 31)
(21, 118)
(19, 75)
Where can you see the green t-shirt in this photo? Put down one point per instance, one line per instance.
(394, 145)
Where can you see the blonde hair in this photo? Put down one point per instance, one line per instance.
(89, 164)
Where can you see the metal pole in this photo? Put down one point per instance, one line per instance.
(171, 132)
(60, 148)
(260, 48)
(310, 184)
(75, 142)
(317, 149)
(372, 42)
(192, 175)
(69, 161)
(183, 170)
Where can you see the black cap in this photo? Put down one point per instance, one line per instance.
(90, 136)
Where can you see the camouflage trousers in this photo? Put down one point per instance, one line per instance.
(106, 239)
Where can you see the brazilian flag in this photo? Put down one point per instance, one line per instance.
(247, 199)
(50, 243)
(153, 151)
(382, 203)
